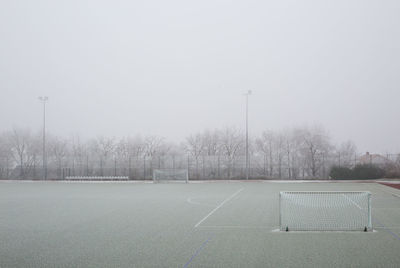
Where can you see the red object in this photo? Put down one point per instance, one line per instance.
(394, 185)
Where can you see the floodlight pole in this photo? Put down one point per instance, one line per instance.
(44, 99)
(247, 133)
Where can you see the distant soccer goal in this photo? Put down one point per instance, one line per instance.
(325, 211)
(170, 175)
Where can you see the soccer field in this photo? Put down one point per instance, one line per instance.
(211, 224)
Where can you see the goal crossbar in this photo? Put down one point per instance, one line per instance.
(325, 211)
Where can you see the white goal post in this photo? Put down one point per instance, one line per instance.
(325, 211)
(167, 175)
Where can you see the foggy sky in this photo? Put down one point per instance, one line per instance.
(171, 68)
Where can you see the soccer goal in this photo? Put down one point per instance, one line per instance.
(325, 211)
(169, 175)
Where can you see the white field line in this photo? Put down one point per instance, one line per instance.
(395, 194)
(384, 189)
(219, 206)
(320, 232)
(75, 181)
(352, 202)
(237, 227)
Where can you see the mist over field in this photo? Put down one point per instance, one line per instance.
(176, 68)
(199, 133)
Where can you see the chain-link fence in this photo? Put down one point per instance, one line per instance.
(199, 168)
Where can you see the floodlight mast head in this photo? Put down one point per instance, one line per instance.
(247, 93)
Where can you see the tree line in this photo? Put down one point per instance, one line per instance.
(293, 153)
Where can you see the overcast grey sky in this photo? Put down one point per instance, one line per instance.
(172, 68)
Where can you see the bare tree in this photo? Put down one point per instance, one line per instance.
(345, 154)
(265, 145)
(315, 147)
(5, 156)
(212, 142)
(79, 155)
(133, 147)
(292, 153)
(130, 152)
(104, 148)
(232, 145)
(25, 148)
(279, 144)
(195, 146)
(288, 148)
(153, 145)
(58, 152)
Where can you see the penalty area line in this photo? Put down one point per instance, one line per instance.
(237, 227)
(218, 207)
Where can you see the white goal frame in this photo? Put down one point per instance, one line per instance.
(325, 211)
(170, 175)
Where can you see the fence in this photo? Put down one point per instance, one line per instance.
(202, 167)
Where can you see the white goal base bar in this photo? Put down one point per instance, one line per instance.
(325, 211)
(170, 175)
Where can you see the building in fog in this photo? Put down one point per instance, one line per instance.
(373, 159)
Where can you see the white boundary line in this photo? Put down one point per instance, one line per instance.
(219, 206)
(237, 227)
(385, 189)
(78, 181)
(278, 231)
(354, 203)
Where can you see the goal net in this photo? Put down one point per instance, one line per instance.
(325, 211)
(166, 175)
